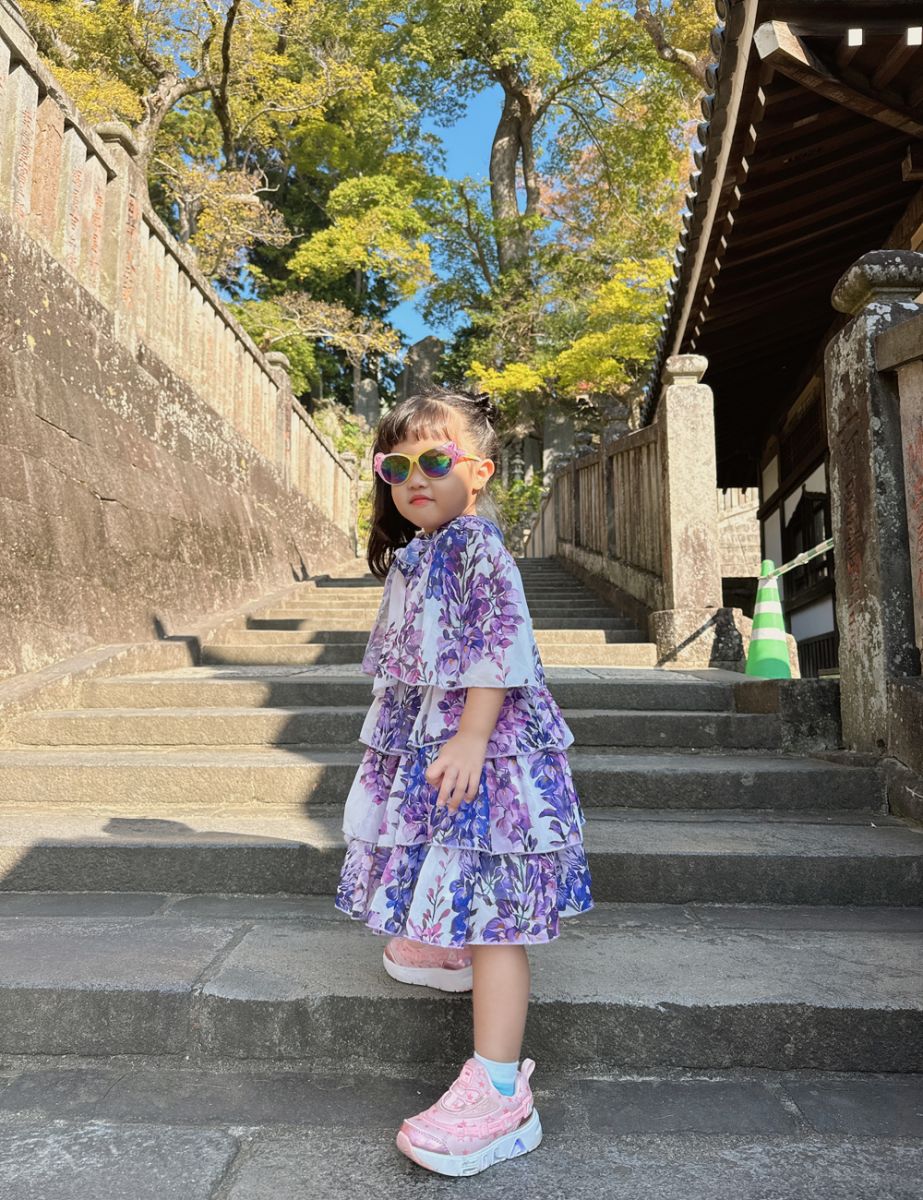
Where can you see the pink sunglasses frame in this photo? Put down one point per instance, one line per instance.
(455, 453)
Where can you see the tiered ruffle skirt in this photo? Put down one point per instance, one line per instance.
(505, 867)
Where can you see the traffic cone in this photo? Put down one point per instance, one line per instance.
(767, 656)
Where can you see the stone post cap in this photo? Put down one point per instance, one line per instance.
(119, 133)
(685, 368)
(276, 358)
(888, 275)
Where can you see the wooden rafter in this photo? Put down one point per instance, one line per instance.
(805, 168)
(778, 46)
(893, 62)
(846, 53)
(912, 166)
(796, 216)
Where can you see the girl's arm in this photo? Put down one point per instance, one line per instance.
(461, 759)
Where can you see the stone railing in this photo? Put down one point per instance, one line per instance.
(608, 510)
(638, 518)
(78, 193)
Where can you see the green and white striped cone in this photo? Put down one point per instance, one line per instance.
(767, 656)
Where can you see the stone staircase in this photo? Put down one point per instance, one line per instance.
(572, 626)
(205, 803)
(169, 850)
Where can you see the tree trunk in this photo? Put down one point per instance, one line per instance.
(533, 193)
(504, 154)
(357, 363)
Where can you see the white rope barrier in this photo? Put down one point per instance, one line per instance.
(822, 548)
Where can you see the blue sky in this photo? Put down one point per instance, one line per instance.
(467, 146)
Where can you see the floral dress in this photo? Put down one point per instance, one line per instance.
(509, 863)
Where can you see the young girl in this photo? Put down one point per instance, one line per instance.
(462, 824)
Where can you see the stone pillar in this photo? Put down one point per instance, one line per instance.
(871, 558)
(351, 517)
(901, 349)
(558, 441)
(517, 461)
(279, 367)
(419, 366)
(19, 117)
(121, 256)
(368, 404)
(46, 177)
(684, 628)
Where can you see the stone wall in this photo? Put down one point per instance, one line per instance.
(739, 531)
(127, 505)
(154, 466)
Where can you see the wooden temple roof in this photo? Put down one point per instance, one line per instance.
(812, 155)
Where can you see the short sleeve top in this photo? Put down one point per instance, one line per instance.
(453, 613)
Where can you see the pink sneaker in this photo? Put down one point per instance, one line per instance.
(446, 968)
(472, 1126)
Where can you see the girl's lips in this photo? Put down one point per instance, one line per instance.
(420, 500)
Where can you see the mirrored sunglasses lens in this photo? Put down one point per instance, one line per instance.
(395, 468)
(436, 463)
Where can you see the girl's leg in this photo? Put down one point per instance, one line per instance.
(442, 1137)
(500, 999)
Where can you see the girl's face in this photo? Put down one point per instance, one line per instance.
(428, 503)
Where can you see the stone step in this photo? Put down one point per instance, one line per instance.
(656, 858)
(165, 1131)
(226, 687)
(367, 595)
(559, 618)
(544, 570)
(577, 606)
(591, 630)
(206, 980)
(555, 654)
(318, 725)
(293, 778)
(329, 654)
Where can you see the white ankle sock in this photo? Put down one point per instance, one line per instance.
(502, 1074)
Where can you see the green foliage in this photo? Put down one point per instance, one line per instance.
(285, 146)
(376, 228)
(262, 319)
(519, 504)
(344, 429)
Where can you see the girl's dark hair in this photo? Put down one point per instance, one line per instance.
(425, 413)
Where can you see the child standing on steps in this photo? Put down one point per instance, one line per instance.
(463, 826)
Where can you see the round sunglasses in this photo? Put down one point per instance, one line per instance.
(435, 463)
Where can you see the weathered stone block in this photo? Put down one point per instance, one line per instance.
(905, 721)
(809, 711)
(873, 582)
(904, 790)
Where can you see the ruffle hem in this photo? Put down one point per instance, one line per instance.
(504, 868)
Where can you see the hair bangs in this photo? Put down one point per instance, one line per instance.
(425, 417)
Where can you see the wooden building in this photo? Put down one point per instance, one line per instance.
(811, 155)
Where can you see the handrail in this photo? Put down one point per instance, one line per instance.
(805, 556)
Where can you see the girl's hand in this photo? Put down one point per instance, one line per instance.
(459, 765)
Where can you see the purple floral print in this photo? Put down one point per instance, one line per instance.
(508, 864)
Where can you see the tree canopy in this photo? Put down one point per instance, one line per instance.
(294, 148)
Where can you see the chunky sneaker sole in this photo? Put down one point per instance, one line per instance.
(509, 1145)
(459, 979)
